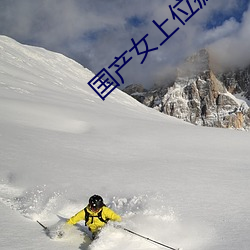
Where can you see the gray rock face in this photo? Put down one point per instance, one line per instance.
(201, 97)
(237, 81)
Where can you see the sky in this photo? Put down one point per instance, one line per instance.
(94, 32)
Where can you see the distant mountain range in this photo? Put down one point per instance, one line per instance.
(201, 94)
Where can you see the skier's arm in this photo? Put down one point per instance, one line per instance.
(77, 217)
(110, 214)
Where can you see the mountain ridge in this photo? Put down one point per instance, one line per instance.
(200, 95)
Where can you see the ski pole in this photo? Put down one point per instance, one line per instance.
(45, 228)
(146, 238)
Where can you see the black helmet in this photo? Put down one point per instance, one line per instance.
(96, 202)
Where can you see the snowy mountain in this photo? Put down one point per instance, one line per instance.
(237, 81)
(201, 96)
(182, 185)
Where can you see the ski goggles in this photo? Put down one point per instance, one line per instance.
(94, 208)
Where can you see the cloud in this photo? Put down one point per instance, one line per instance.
(229, 27)
(232, 50)
(93, 32)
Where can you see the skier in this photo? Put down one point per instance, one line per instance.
(95, 214)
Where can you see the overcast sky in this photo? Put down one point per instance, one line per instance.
(93, 32)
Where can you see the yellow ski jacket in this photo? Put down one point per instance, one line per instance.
(94, 223)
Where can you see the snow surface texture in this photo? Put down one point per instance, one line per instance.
(179, 184)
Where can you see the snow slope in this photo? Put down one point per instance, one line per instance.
(176, 183)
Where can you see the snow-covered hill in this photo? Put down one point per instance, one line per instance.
(176, 183)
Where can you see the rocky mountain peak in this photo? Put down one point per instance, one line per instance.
(200, 96)
(197, 64)
(237, 81)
